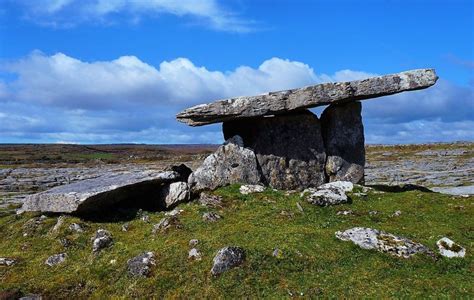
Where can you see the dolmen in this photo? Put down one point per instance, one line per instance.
(274, 140)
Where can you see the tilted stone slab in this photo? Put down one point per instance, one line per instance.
(139, 189)
(307, 97)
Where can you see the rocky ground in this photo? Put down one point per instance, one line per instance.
(33, 168)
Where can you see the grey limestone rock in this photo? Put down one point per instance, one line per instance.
(175, 193)
(449, 248)
(56, 259)
(332, 193)
(289, 148)
(95, 195)
(227, 258)
(101, 240)
(231, 163)
(140, 265)
(5, 261)
(307, 97)
(211, 217)
(247, 189)
(368, 238)
(343, 134)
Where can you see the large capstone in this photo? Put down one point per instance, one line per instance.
(231, 163)
(289, 148)
(134, 189)
(343, 135)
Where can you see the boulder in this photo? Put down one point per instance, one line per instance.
(101, 240)
(138, 189)
(140, 265)
(448, 248)
(231, 163)
(343, 134)
(227, 258)
(56, 259)
(368, 238)
(289, 148)
(306, 97)
(175, 193)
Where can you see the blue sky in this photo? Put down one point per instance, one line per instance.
(117, 71)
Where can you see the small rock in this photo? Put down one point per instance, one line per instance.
(65, 242)
(251, 188)
(327, 197)
(210, 200)
(397, 213)
(193, 242)
(76, 227)
(194, 254)
(56, 259)
(368, 238)
(101, 240)
(31, 297)
(58, 225)
(450, 249)
(113, 261)
(166, 223)
(174, 212)
(362, 195)
(125, 227)
(345, 212)
(277, 253)
(373, 212)
(210, 217)
(227, 258)
(300, 208)
(140, 266)
(5, 261)
(145, 218)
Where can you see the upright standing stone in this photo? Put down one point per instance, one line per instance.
(289, 148)
(343, 135)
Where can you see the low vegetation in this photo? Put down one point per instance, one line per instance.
(310, 262)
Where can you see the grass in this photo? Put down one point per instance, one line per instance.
(313, 263)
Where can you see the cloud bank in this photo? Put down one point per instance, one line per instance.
(54, 98)
(69, 13)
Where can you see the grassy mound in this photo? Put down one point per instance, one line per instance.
(312, 262)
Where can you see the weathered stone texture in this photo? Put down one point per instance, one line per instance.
(306, 97)
(289, 148)
(343, 134)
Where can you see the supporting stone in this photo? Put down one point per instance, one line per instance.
(343, 135)
(289, 148)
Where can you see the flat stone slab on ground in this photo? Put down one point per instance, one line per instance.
(307, 97)
(97, 193)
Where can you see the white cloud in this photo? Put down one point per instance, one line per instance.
(60, 98)
(66, 13)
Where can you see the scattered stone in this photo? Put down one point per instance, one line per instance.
(166, 223)
(300, 208)
(227, 258)
(58, 224)
(361, 195)
(343, 135)
(277, 253)
(174, 212)
(175, 193)
(397, 213)
(56, 259)
(231, 163)
(125, 227)
(5, 261)
(450, 249)
(101, 240)
(193, 242)
(345, 212)
(76, 227)
(296, 99)
(251, 188)
(373, 212)
(140, 266)
(325, 197)
(368, 238)
(211, 217)
(98, 194)
(65, 242)
(145, 218)
(210, 200)
(194, 254)
(289, 148)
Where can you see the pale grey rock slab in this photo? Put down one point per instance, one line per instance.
(247, 189)
(97, 193)
(231, 163)
(332, 193)
(449, 248)
(175, 193)
(289, 148)
(227, 258)
(307, 97)
(456, 191)
(56, 259)
(343, 134)
(368, 238)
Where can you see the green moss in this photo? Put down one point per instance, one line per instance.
(454, 247)
(312, 262)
